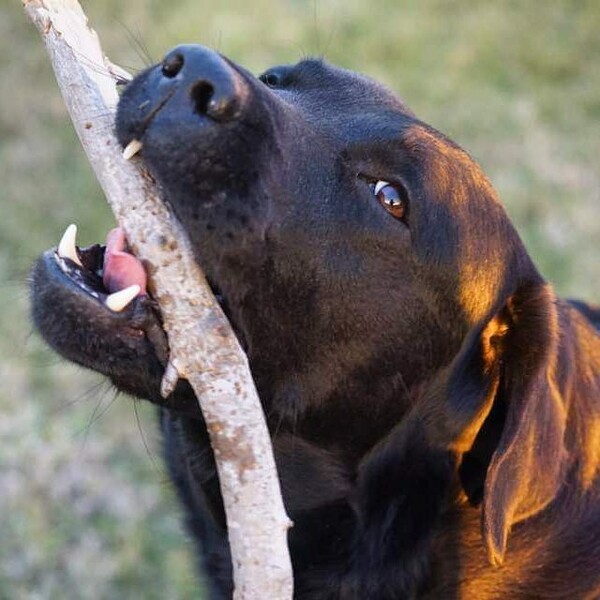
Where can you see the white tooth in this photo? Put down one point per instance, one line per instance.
(66, 247)
(132, 149)
(119, 300)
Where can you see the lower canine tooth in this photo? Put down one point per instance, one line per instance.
(132, 149)
(119, 300)
(66, 247)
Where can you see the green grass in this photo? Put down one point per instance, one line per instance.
(85, 509)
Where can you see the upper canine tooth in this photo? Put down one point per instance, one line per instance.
(66, 247)
(119, 300)
(132, 149)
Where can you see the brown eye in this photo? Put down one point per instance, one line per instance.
(392, 198)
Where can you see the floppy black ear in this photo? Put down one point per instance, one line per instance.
(527, 466)
(503, 374)
(501, 400)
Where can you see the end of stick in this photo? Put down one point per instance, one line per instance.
(169, 380)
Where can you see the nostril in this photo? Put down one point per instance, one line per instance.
(172, 65)
(202, 93)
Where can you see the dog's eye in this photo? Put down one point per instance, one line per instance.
(271, 79)
(391, 197)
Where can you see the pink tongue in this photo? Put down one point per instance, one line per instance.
(121, 269)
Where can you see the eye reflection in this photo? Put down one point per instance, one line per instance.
(391, 197)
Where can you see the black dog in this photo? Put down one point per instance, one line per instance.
(434, 408)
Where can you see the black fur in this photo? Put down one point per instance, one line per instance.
(434, 408)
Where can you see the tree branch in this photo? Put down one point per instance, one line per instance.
(203, 347)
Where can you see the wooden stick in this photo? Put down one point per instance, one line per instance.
(203, 347)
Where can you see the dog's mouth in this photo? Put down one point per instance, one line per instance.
(109, 274)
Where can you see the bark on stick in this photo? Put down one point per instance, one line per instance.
(203, 347)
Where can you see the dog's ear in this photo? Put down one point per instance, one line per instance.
(516, 460)
(503, 413)
(527, 466)
(504, 374)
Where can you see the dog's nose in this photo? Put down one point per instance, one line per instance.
(215, 88)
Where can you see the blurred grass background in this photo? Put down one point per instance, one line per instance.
(85, 507)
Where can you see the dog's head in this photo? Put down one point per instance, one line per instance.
(342, 231)
(357, 246)
(360, 253)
